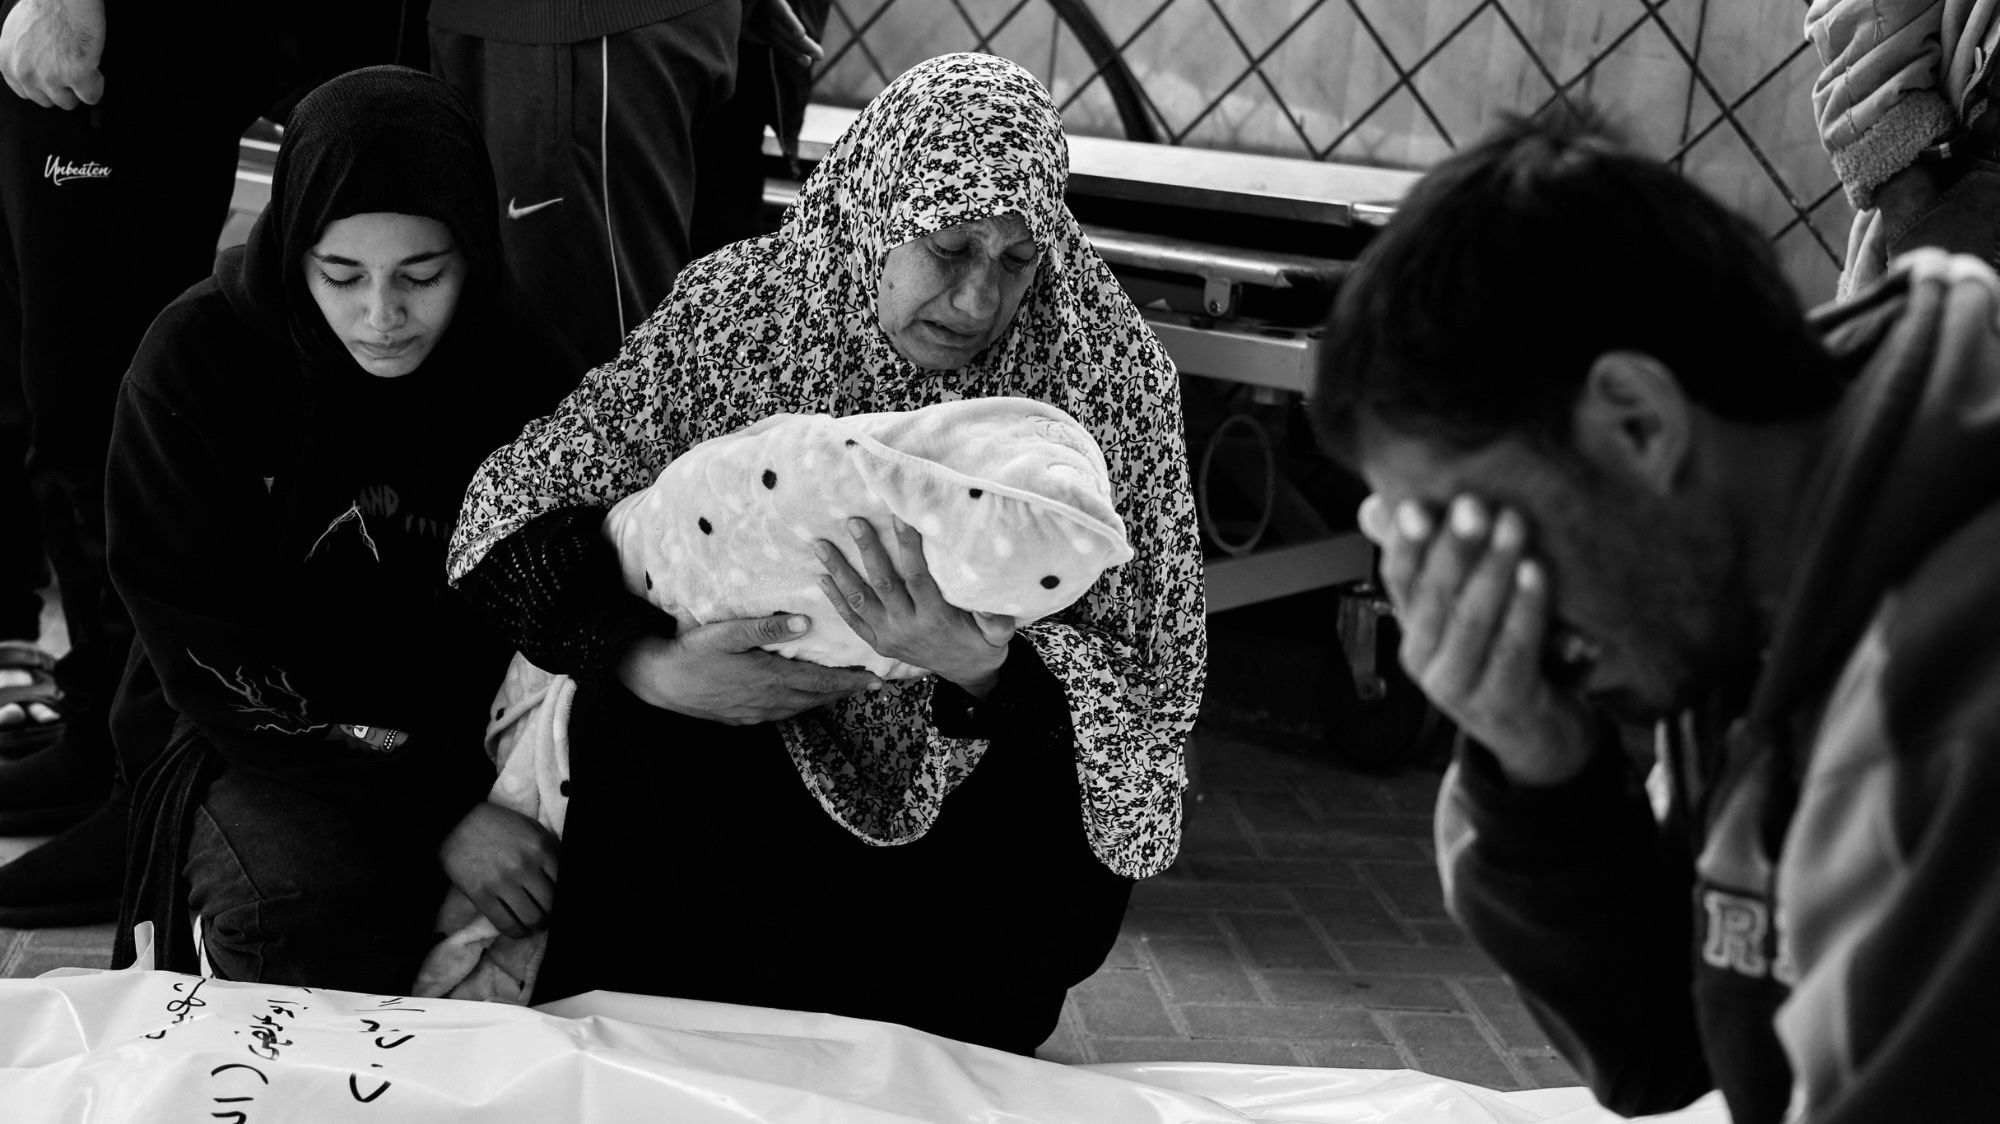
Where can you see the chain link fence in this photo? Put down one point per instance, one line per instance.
(1719, 88)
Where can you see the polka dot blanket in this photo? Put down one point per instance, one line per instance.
(1011, 497)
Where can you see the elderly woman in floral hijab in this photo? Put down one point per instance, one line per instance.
(962, 846)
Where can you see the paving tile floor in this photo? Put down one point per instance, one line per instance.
(1303, 925)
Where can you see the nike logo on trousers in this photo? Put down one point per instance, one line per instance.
(515, 212)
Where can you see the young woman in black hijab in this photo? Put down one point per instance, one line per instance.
(291, 447)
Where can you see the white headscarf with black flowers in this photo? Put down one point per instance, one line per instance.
(787, 323)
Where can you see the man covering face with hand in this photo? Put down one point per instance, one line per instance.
(1619, 478)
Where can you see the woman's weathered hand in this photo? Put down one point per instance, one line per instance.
(506, 863)
(899, 611)
(718, 672)
(1474, 612)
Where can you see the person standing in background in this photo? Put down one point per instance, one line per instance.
(592, 112)
(118, 144)
(1905, 108)
(773, 85)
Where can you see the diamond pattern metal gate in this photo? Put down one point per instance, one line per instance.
(1720, 88)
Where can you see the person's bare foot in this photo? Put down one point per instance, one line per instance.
(13, 714)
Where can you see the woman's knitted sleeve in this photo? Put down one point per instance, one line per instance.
(529, 547)
(1027, 703)
(553, 589)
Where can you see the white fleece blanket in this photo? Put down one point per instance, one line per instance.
(1011, 496)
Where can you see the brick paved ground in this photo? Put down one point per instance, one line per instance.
(1303, 926)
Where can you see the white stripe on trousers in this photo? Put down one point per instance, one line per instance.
(604, 178)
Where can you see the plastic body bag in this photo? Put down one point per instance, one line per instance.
(79, 1046)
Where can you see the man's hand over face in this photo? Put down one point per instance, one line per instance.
(1475, 617)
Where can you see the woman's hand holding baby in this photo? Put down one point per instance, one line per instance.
(899, 611)
(719, 672)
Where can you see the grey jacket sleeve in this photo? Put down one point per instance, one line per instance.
(1883, 92)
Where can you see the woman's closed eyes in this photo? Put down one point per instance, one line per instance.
(388, 284)
(962, 249)
(410, 279)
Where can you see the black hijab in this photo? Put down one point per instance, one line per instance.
(388, 139)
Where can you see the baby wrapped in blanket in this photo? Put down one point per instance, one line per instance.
(1012, 498)
(1010, 495)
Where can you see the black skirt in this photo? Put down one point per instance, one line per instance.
(696, 864)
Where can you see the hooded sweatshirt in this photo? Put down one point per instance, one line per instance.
(278, 516)
(1813, 924)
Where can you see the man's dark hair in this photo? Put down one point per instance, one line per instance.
(1511, 267)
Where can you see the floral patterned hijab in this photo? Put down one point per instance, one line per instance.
(787, 323)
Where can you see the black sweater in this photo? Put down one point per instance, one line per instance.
(280, 597)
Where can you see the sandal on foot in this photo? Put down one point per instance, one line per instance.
(30, 734)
